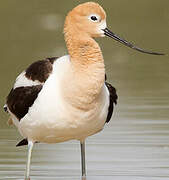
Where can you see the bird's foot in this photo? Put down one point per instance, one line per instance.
(83, 177)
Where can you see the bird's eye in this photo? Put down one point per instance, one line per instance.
(94, 18)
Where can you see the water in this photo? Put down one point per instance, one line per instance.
(135, 144)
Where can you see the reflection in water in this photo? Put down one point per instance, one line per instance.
(118, 150)
(135, 145)
(128, 147)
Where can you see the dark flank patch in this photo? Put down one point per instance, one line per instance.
(22, 143)
(20, 99)
(105, 77)
(113, 100)
(40, 70)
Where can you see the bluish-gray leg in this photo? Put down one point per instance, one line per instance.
(30, 146)
(83, 163)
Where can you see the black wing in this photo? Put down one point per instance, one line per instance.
(40, 70)
(20, 99)
(113, 100)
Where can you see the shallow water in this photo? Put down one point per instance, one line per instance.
(135, 144)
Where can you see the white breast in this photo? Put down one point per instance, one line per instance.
(52, 119)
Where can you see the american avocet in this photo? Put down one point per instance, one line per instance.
(60, 99)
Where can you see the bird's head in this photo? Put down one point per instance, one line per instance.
(89, 20)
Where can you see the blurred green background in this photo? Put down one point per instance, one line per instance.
(32, 30)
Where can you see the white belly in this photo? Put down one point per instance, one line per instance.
(51, 119)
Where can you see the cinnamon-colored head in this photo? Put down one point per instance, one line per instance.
(86, 19)
(89, 20)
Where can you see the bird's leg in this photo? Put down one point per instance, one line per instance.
(83, 164)
(30, 146)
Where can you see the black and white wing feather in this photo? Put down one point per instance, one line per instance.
(26, 89)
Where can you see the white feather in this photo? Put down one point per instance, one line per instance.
(22, 80)
(101, 27)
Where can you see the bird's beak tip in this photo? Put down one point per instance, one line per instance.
(112, 35)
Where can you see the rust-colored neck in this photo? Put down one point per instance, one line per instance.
(87, 72)
(82, 49)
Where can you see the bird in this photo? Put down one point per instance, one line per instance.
(66, 98)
